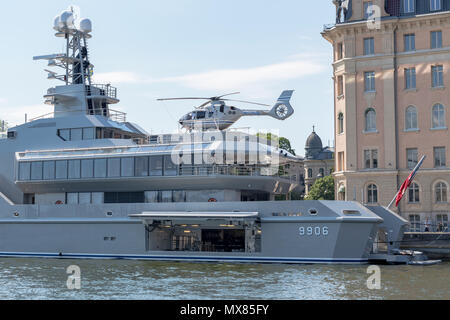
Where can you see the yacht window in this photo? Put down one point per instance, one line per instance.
(72, 198)
(141, 167)
(151, 196)
(127, 168)
(170, 169)
(100, 168)
(87, 168)
(74, 169)
(107, 134)
(64, 134)
(76, 134)
(114, 167)
(97, 197)
(84, 198)
(124, 197)
(24, 171)
(156, 165)
(49, 170)
(36, 170)
(61, 169)
(88, 133)
(166, 196)
(179, 196)
(98, 133)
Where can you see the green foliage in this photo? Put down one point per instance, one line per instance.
(323, 189)
(281, 142)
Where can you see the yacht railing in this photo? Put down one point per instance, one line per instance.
(231, 170)
(106, 90)
(114, 115)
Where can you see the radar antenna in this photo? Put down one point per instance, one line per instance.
(75, 61)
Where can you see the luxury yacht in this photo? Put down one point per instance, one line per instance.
(82, 182)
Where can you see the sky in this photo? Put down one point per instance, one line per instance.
(152, 49)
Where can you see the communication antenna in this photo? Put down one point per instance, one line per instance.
(75, 61)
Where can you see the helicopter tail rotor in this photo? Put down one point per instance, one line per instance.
(283, 109)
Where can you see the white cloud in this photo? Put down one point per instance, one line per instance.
(230, 79)
(233, 79)
(118, 77)
(16, 115)
(3, 101)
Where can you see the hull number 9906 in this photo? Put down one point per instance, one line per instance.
(313, 231)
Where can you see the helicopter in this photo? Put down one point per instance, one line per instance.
(215, 114)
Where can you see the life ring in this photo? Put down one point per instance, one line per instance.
(212, 200)
(59, 202)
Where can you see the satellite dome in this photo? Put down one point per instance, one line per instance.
(66, 20)
(56, 22)
(85, 25)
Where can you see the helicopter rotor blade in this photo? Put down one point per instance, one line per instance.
(204, 104)
(169, 99)
(259, 104)
(229, 94)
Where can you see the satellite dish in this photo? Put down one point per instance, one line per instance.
(56, 23)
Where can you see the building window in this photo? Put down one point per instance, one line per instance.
(436, 39)
(341, 123)
(340, 86)
(439, 157)
(340, 51)
(371, 120)
(410, 78)
(414, 223)
(369, 46)
(409, 6)
(412, 157)
(441, 192)
(437, 73)
(368, 10)
(413, 193)
(411, 118)
(438, 116)
(435, 5)
(442, 223)
(310, 173)
(341, 161)
(370, 159)
(410, 42)
(372, 194)
(369, 81)
(322, 172)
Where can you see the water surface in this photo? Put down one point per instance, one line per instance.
(121, 279)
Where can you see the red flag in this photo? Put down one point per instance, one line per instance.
(407, 182)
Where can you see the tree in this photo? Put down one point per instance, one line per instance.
(323, 189)
(280, 142)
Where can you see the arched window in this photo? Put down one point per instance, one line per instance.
(310, 173)
(438, 116)
(341, 123)
(441, 192)
(411, 118)
(321, 172)
(413, 193)
(371, 121)
(372, 194)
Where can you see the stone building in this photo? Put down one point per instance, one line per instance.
(391, 81)
(318, 161)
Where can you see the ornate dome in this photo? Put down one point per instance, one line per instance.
(313, 142)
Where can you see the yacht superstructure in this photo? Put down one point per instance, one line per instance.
(83, 182)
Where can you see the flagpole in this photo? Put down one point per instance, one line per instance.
(415, 168)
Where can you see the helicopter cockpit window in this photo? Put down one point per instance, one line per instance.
(201, 114)
(222, 108)
(187, 117)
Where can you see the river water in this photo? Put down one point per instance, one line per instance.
(120, 279)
